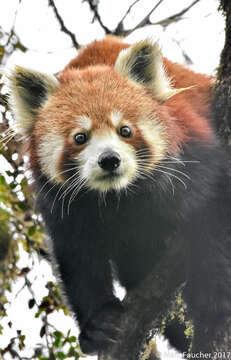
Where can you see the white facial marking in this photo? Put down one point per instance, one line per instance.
(50, 150)
(84, 122)
(153, 133)
(94, 174)
(116, 117)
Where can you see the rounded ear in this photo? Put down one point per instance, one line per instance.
(142, 63)
(29, 90)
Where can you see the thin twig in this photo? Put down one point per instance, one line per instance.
(128, 11)
(16, 14)
(9, 47)
(187, 58)
(146, 20)
(120, 27)
(164, 22)
(176, 17)
(94, 7)
(63, 26)
(19, 44)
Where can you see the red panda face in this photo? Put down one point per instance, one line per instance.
(102, 126)
(99, 127)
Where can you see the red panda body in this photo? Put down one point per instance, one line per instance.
(126, 162)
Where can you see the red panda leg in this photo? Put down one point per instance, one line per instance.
(96, 308)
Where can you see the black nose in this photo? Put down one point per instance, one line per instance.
(109, 160)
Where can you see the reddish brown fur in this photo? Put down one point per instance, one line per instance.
(185, 106)
(104, 52)
(90, 86)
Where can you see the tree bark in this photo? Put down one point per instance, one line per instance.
(221, 107)
(221, 112)
(145, 307)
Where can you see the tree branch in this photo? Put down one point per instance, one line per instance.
(146, 20)
(221, 109)
(62, 25)
(187, 58)
(145, 306)
(176, 17)
(120, 27)
(93, 4)
(119, 30)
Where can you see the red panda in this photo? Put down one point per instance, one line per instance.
(124, 156)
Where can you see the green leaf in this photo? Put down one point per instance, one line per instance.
(21, 206)
(60, 355)
(22, 338)
(2, 50)
(37, 314)
(72, 339)
(31, 230)
(13, 185)
(58, 334)
(23, 183)
(9, 173)
(4, 215)
(2, 180)
(72, 352)
(42, 331)
(31, 303)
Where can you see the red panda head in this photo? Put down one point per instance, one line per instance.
(101, 127)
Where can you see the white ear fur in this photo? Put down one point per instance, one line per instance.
(29, 90)
(142, 63)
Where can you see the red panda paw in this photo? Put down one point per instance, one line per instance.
(102, 330)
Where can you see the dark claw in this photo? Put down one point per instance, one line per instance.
(101, 330)
(93, 340)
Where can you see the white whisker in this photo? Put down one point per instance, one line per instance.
(79, 186)
(60, 188)
(174, 176)
(178, 171)
(53, 178)
(143, 172)
(70, 187)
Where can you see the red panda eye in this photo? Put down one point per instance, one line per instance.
(125, 131)
(80, 138)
